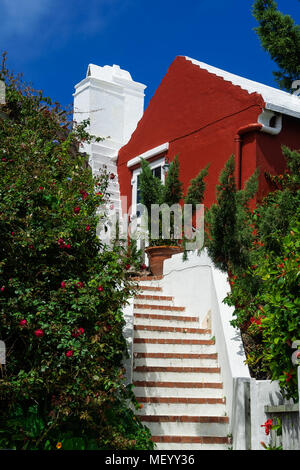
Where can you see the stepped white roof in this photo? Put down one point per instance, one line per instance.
(276, 100)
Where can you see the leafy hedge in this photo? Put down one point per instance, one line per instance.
(61, 291)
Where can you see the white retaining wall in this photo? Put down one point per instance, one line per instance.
(199, 286)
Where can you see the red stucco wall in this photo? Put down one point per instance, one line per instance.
(199, 114)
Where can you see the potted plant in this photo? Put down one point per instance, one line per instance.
(154, 192)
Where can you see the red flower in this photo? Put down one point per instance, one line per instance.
(257, 321)
(288, 378)
(23, 322)
(39, 333)
(77, 210)
(63, 285)
(77, 332)
(2, 289)
(99, 194)
(68, 246)
(84, 194)
(87, 228)
(70, 353)
(127, 266)
(79, 284)
(112, 176)
(268, 424)
(143, 266)
(100, 289)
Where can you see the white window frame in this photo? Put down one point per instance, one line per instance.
(159, 162)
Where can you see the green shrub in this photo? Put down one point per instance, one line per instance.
(62, 291)
(260, 252)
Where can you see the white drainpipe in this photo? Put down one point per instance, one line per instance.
(265, 118)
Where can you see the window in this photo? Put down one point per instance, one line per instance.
(157, 170)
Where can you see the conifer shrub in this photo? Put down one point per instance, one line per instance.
(259, 248)
(154, 192)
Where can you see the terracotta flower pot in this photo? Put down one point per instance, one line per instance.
(158, 254)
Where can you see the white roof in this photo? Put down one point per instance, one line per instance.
(276, 100)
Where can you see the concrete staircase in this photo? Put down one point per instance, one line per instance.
(176, 374)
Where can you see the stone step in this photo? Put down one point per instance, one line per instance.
(191, 442)
(171, 332)
(192, 439)
(148, 345)
(170, 355)
(189, 447)
(176, 362)
(187, 428)
(165, 389)
(177, 374)
(167, 308)
(161, 310)
(174, 406)
(149, 281)
(149, 289)
(152, 299)
(184, 419)
(170, 321)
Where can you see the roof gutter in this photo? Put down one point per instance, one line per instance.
(263, 125)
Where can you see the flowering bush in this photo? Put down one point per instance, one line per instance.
(62, 291)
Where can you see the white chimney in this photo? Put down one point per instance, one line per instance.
(114, 104)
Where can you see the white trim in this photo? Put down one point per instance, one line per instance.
(149, 154)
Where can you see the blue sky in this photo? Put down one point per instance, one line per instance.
(52, 41)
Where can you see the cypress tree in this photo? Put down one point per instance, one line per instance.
(228, 232)
(280, 37)
(195, 192)
(173, 187)
(151, 188)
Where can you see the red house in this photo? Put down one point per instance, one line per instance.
(186, 360)
(203, 115)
